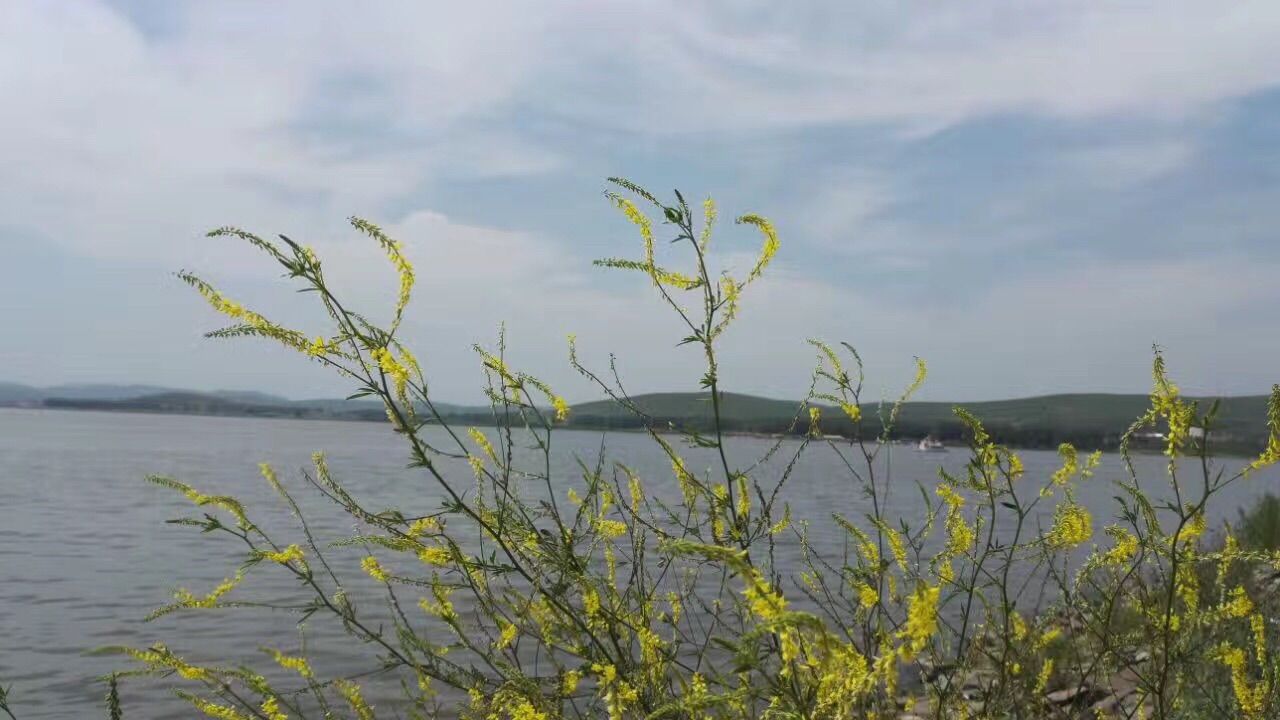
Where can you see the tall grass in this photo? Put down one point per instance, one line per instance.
(616, 601)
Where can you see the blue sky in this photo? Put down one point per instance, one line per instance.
(1028, 195)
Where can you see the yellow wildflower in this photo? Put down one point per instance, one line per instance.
(852, 411)
(298, 664)
(1072, 525)
(896, 544)
(1251, 700)
(1070, 464)
(611, 528)
(375, 570)
(351, 693)
(569, 683)
(423, 526)
(185, 597)
(708, 221)
(771, 243)
(293, 553)
(782, 524)
(591, 603)
(636, 490)
(395, 253)
(271, 708)
(482, 441)
(844, 677)
(922, 620)
(765, 602)
(1125, 548)
(509, 633)
(214, 710)
(561, 408)
(608, 673)
(526, 711)
(867, 595)
(435, 555)
(1271, 454)
(1238, 605)
(317, 348)
(440, 605)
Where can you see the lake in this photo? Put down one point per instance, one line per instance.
(85, 552)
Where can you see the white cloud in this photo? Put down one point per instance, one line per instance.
(120, 145)
(728, 66)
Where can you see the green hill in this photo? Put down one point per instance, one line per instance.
(687, 408)
(1088, 420)
(1093, 420)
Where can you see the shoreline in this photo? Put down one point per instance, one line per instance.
(476, 421)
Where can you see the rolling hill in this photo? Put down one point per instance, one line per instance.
(1089, 420)
(1093, 420)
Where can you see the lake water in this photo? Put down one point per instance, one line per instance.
(85, 552)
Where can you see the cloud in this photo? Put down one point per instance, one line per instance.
(728, 66)
(129, 129)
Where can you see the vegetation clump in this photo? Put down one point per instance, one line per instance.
(521, 600)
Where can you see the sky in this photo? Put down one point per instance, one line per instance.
(1027, 195)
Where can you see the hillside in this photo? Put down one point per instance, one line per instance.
(693, 408)
(1090, 420)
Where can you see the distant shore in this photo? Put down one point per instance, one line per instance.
(591, 423)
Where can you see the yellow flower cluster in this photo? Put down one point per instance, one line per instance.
(1250, 698)
(395, 253)
(771, 243)
(185, 598)
(1271, 454)
(560, 407)
(1072, 526)
(1237, 605)
(271, 709)
(844, 677)
(922, 620)
(318, 347)
(423, 526)
(617, 694)
(708, 221)
(766, 603)
(295, 663)
(483, 443)
(897, 545)
(1167, 403)
(435, 555)
(393, 369)
(611, 528)
(523, 710)
(569, 683)
(355, 698)
(375, 570)
(256, 323)
(960, 534)
(1125, 548)
(214, 710)
(159, 657)
(439, 605)
(815, 417)
(507, 636)
(293, 553)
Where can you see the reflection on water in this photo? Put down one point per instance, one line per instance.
(85, 553)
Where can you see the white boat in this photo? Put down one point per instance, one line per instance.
(928, 444)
